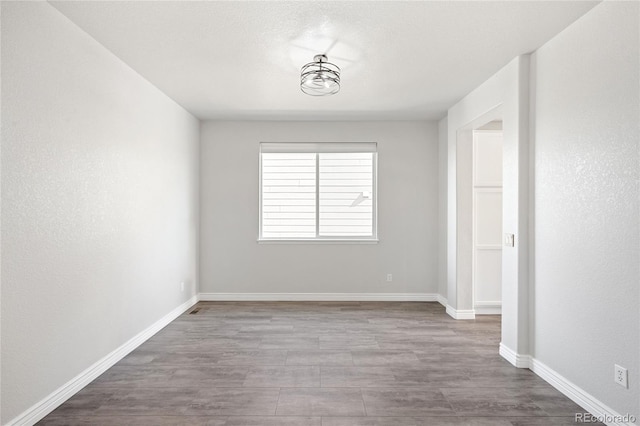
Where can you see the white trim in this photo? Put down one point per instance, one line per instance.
(318, 147)
(460, 314)
(39, 410)
(489, 303)
(309, 297)
(442, 300)
(493, 307)
(585, 400)
(576, 394)
(318, 241)
(516, 359)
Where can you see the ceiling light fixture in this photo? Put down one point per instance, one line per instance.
(320, 78)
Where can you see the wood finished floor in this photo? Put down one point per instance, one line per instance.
(318, 364)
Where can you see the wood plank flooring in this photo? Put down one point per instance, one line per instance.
(318, 364)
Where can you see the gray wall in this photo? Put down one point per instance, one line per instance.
(99, 203)
(233, 262)
(587, 203)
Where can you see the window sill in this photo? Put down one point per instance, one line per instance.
(315, 241)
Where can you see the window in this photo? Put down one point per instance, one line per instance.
(318, 191)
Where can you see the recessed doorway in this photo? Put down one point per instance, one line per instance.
(487, 219)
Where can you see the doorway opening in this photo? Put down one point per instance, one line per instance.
(486, 211)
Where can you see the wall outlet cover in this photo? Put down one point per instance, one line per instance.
(621, 376)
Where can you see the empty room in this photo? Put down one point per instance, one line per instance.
(320, 213)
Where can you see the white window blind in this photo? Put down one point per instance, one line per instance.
(288, 195)
(346, 188)
(317, 191)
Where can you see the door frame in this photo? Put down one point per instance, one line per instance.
(505, 95)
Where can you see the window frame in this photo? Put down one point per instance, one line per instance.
(319, 239)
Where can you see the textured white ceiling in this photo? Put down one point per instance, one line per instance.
(241, 60)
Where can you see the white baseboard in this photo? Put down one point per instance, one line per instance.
(319, 297)
(488, 308)
(588, 402)
(591, 404)
(461, 314)
(442, 300)
(39, 410)
(516, 359)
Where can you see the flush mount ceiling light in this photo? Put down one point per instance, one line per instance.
(320, 78)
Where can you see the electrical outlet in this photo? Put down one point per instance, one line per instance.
(182, 286)
(389, 278)
(620, 376)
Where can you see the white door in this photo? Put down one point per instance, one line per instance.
(487, 221)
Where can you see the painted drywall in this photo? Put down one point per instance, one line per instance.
(442, 208)
(505, 97)
(232, 261)
(99, 194)
(587, 210)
